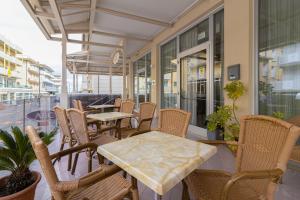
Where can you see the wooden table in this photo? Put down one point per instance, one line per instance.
(102, 107)
(158, 160)
(111, 116)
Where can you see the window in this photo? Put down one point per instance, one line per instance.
(142, 79)
(194, 36)
(218, 59)
(168, 74)
(279, 57)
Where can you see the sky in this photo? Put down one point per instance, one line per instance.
(18, 27)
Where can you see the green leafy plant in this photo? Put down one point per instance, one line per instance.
(278, 115)
(225, 117)
(16, 155)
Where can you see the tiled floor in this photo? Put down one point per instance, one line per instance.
(289, 190)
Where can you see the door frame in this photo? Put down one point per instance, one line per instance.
(209, 76)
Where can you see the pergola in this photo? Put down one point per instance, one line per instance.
(112, 31)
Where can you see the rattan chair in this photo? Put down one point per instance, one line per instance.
(174, 121)
(78, 105)
(264, 147)
(101, 184)
(83, 134)
(144, 120)
(117, 104)
(64, 126)
(295, 156)
(126, 107)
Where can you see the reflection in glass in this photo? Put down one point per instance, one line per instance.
(218, 59)
(168, 75)
(279, 57)
(193, 86)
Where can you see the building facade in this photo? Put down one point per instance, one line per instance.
(186, 66)
(22, 77)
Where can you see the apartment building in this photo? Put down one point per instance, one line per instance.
(22, 77)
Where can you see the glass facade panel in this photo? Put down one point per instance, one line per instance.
(218, 59)
(279, 57)
(194, 36)
(169, 74)
(142, 78)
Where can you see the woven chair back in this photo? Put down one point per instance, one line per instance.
(264, 143)
(75, 104)
(126, 107)
(62, 120)
(147, 110)
(174, 121)
(79, 125)
(42, 154)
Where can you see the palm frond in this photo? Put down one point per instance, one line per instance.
(6, 164)
(48, 138)
(7, 139)
(21, 141)
(10, 153)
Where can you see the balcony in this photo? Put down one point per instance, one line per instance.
(184, 123)
(11, 58)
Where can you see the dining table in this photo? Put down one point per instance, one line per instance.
(156, 159)
(102, 107)
(111, 117)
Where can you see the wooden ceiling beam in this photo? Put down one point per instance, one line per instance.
(58, 17)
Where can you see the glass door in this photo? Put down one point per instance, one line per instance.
(194, 92)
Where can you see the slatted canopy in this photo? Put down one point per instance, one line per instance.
(106, 27)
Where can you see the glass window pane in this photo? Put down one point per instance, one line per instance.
(194, 36)
(218, 58)
(168, 74)
(279, 57)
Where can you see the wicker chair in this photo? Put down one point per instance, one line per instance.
(117, 104)
(83, 134)
(295, 156)
(264, 147)
(144, 119)
(101, 184)
(78, 105)
(64, 126)
(126, 107)
(174, 121)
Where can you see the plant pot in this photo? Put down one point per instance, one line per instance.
(216, 135)
(28, 193)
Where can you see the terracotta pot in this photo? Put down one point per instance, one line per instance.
(28, 193)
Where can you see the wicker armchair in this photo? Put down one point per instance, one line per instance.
(78, 105)
(126, 107)
(295, 156)
(64, 126)
(174, 121)
(101, 184)
(117, 104)
(83, 135)
(144, 119)
(264, 147)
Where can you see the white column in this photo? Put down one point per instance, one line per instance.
(130, 80)
(124, 93)
(74, 78)
(64, 86)
(110, 79)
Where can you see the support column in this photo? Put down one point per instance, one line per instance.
(124, 93)
(130, 80)
(110, 79)
(74, 78)
(64, 86)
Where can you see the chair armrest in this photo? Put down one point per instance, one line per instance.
(218, 142)
(155, 129)
(138, 133)
(74, 149)
(273, 174)
(144, 120)
(98, 175)
(87, 180)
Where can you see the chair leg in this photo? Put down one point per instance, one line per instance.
(185, 191)
(124, 174)
(75, 163)
(90, 158)
(62, 144)
(134, 189)
(70, 158)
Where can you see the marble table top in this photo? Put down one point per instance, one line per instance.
(109, 116)
(101, 106)
(157, 159)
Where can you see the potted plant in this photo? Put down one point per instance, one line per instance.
(225, 119)
(16, 156)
